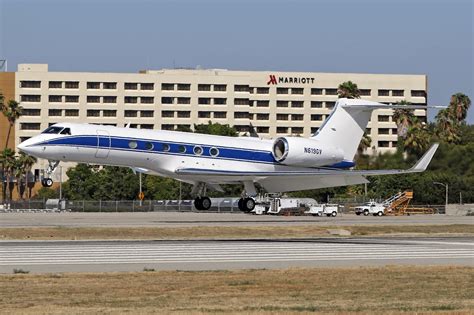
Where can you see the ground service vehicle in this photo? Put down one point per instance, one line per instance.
(371, 207)
(329, 210)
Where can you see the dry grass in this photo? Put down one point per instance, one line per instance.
(389, 290)
(84, 233)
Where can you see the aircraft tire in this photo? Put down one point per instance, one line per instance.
(249, 204)
(198, 203)
(205, 203)
(47, 182)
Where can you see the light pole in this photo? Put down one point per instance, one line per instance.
(445, 186)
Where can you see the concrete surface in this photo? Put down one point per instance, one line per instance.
(94, 256)
(460, 210)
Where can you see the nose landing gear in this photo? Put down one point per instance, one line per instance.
(47, 181)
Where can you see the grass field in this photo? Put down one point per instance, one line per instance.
(81, 233)
(420, 290)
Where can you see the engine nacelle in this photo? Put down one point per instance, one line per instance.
(305, 152)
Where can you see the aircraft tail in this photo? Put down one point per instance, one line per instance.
(346, 124)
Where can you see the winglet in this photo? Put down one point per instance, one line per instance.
(425, 160)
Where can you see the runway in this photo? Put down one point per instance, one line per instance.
(94, 256)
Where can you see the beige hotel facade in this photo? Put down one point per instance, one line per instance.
(274, 103)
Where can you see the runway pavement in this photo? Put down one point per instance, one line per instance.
(183, 219)
(92, 256)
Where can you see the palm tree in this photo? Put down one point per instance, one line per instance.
(403, 118)
(417, 139)
(447, 127)
(459, 105)
(348, 89)
(364, 144)
(17, 173)
(12, 111)
(27, 162)
(7, 159)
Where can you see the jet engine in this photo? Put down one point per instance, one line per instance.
(305, 152)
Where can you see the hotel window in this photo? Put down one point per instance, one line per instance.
(131, 86)
(31, 112)
(93, 113)
(130, 99)
(384, 92)
(297, 117)
(282, 90)
(241, 115)
(72, 85)
(263, 129)
(418, 93)
(23, 139)
(314, 130)
(365, 92)
(241, 88)
(110, 85)
(147, 99)
(220, 87)
(167, 127)
(384, 131)
(297, 130)
(109, 113)
(316, 117)
(130, 113)
(384, 144)
(30, 84)
(220, 101)
(55, 112)
(181, 127)
(282, 116)
(167, 86)
(368, 131)
(30, 98)
(55, 98)
(398, 93)
(297, 91)
(316, 91)
(167, 114)
(297, 104)
(146, 126)
(263, 90)
(93, 85)
(93, 99)
(166, 100)
(184, 100)
(72, 99)
(241, 101)
(146, 113)
(383, 118)
(147, 86)
(316, 104)
(71, 112)
(263, 103)
(241, 128)
(263, 116)
(394, 131)
(220, 115)
(110, 99)
(330, 105)
(204, 101)
(30, 126)
(55, 84)
(204, 114)
(282, 103)
(204, 87)
(184, 114)
(282, 129)
(331, 91)
(184, 87)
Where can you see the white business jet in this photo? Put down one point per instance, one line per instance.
(206, 161)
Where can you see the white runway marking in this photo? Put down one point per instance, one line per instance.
(188, 252)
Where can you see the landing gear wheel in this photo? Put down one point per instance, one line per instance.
(246, 204)
(202, 203)
(197, 203)
(47, 182)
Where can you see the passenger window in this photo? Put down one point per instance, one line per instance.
(132, 144)
(182, 149)
(166, 147)
(149, 146)
(66, 131)
(214, 151)
(197, 150)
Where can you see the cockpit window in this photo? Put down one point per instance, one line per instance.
(66, 131)
(53, 130)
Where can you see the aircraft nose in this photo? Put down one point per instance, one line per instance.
(26, 146)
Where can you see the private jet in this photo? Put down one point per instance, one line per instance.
(206, 161)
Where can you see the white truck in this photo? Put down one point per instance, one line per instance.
(288, 206)
(371, 207)
(330, 210)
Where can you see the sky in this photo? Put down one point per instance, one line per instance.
(367, 36)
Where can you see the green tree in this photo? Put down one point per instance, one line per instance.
(215, 129)
(27, 162)
(447, 126)
(364, 143)
(348, 89)
(12, 111)
(7, 160)
(45, 193)
(82, 182)
(116, 183)
(459, 105)
(404, 119)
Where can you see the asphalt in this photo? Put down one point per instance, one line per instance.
(175, 219)
(98, 256)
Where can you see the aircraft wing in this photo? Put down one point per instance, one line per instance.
(281, 181)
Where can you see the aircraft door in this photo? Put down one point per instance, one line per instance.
(103, 144)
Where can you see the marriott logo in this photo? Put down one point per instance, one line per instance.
(274, 80)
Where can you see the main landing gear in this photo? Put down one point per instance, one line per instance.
(246, 204)
(202, 203)
(47, 181)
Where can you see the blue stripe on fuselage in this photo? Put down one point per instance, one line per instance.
(119, 143)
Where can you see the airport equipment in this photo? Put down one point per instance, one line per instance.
(371, 207)
(290, 206)
(397, 204)
(330, 210)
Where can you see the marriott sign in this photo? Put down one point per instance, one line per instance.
(273, 79)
